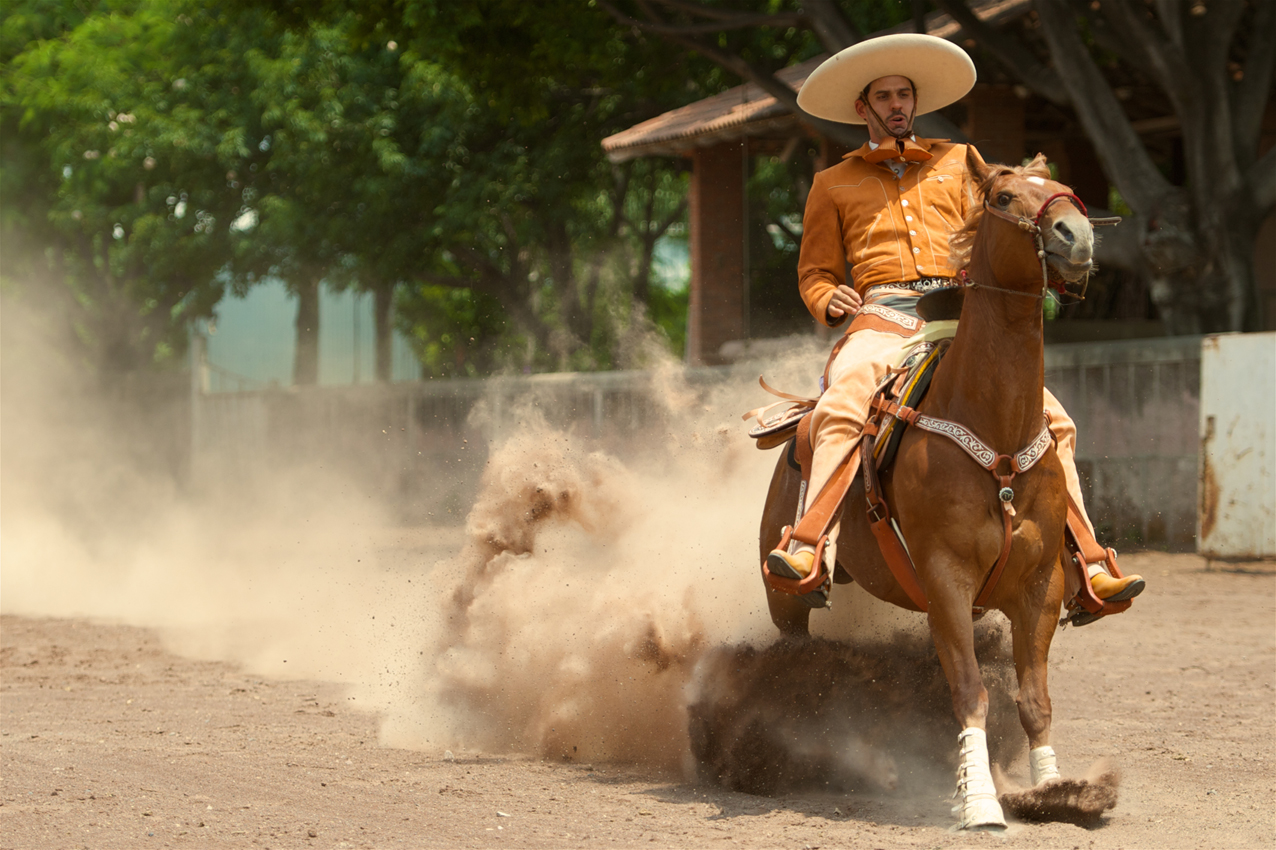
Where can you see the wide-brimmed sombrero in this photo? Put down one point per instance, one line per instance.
(941, 70)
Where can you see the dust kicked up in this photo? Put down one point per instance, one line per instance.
(599, 605)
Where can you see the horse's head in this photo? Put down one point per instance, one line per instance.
(1026, 196)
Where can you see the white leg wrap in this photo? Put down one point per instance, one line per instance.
(1043, 764)
(977, 795)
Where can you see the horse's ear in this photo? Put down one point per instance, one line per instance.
(975, 165)
(1038, 167)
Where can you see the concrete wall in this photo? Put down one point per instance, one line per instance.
(422, 445)
(1136, 404)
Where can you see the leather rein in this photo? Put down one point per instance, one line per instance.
(1033, 226)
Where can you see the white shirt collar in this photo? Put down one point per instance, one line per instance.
(872, 145)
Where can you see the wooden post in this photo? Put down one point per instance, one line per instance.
(716, 212)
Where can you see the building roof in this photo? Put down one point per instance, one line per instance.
(747, 110)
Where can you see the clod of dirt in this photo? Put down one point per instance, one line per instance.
(1077, 801)
(820, 714)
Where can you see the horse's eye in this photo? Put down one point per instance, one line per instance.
(1003, 199)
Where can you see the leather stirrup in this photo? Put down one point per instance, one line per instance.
(1083, 550)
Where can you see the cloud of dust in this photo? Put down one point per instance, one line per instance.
(590, 585)
(591, 597)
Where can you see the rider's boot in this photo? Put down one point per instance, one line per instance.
(1111, 589)
(797, 565)
(1107, 587)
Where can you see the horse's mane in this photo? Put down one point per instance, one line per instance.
(959, 244)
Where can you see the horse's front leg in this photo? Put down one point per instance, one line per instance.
(1033, 619)
(953, 631)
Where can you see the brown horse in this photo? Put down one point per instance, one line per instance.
(991, 381)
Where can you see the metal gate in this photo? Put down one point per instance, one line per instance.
(1237, 492)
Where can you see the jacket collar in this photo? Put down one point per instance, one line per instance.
(911, 149)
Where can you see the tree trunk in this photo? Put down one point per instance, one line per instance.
(577, 323)
(1198, 238)
(305, 364)
(383, 317)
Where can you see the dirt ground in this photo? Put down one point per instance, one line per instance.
(109, 740)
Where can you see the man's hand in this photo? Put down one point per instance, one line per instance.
(845, 300)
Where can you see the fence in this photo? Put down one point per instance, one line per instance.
(422, 445)
(1136, 404)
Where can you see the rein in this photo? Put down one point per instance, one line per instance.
(1033, 226)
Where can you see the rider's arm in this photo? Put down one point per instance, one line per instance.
(822, 261)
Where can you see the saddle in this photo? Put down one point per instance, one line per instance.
(893, 409)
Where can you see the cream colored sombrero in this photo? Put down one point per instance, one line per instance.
(941, 70)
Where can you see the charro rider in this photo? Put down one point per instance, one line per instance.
(884, 214)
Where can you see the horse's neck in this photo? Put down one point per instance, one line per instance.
(991, 379)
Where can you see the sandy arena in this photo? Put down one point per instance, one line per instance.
(112, 740)
(284, 661)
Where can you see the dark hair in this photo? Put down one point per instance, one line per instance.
(863, 95)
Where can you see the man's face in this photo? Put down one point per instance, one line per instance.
(892, 101)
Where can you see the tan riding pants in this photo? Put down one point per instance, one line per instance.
(862, 364)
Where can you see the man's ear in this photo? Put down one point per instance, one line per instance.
(861, 108)
(975, 164)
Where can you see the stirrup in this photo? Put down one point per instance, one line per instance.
(1086, 607)
(814, 589)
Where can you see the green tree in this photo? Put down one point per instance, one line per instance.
(532, 217)
(124, 132)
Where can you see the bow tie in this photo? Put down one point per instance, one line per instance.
(904, 150)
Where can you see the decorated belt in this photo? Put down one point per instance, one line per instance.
(926, 284)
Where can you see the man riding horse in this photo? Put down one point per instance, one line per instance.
(885, 215)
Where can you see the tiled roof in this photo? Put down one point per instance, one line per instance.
(748, 110)
(720, 117)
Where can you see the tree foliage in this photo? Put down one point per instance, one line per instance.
(159, 153)
(119, 158)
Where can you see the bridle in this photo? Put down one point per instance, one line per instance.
(1033, 226)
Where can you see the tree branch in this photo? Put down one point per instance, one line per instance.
(795, 237)
(1168, 65)
(1119, 148)
(1254, 89)
(718, 21)
(832, 28)
(1009, 51)
(663, 227)
(708, 12)
(741, 68)
(1261, 178)
(919, 16)
(1171, 15)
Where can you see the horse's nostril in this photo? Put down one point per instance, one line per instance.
(1065, 232)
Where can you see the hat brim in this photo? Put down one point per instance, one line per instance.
(941, 71)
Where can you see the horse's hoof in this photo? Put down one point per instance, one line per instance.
(981, 813)
(1043, 764)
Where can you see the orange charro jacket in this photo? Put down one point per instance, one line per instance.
(860, 218)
